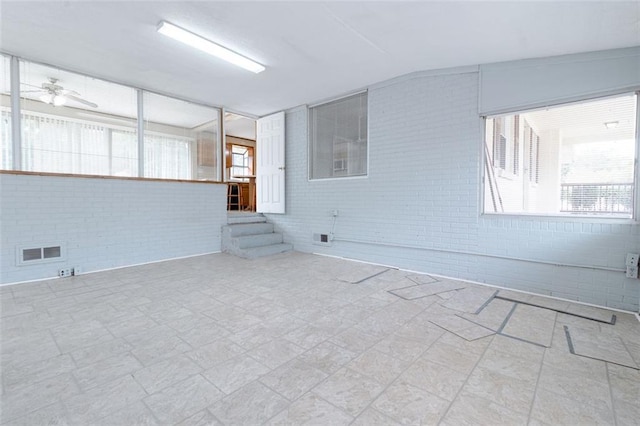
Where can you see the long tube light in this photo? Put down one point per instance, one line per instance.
(209, 47)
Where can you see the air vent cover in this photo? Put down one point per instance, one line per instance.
(40, 253)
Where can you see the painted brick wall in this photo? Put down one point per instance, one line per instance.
(106, 223)
(419, 206)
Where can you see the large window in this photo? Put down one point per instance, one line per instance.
(574, 159)
(338, 138)
(70, 123)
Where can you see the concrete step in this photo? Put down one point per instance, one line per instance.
(243, 217)
(240, 229)
(255, 252)
(257, 240)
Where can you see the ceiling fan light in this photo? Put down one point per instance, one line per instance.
(209, 47)
(47, 98)
(59, 100)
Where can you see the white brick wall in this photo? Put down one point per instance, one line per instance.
(422, 193)
(106, 223)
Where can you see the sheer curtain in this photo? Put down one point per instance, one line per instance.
(6, 145)
(53, 144)
(167, 157)
(60, 145)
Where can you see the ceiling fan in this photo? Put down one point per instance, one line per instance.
(57, 95)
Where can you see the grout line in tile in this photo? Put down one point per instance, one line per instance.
(535, 391)
(393, 382)
(610, 322)
(613, 402)
(466, 380)
(371, 276)
(507, 318)
(486, 303)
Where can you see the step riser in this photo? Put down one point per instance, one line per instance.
(231, 220)
(240, 230)
(257, 240)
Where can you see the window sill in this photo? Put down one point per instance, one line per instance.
(338, 178)
(562, 218)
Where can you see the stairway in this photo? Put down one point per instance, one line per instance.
(249, 235)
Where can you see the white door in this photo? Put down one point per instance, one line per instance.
(270, 167)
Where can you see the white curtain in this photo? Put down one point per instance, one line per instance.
(167, 157)
(58, 145)
(51, 144)
(6, 145)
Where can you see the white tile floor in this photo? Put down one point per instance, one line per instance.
(292, 339)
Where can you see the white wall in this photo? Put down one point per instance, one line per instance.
(419, 206)
(106, 223)
(520, 85)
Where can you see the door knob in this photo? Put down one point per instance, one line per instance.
(281, 168)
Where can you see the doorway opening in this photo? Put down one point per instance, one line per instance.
(240, 162)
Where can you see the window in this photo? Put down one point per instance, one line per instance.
(241, 160)
(577, 159)
(70, 123)
(338, 138)
(75, 124)
(180, 139)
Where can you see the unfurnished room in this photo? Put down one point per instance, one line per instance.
(323, 213)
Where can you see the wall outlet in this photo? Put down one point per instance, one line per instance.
(322, 239)
(632, 265)
(65, 272)
(334, 212)
(77, 270)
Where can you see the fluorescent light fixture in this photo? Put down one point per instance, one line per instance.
(611, 124)
(209, 47)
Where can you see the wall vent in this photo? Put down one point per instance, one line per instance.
(39, 253)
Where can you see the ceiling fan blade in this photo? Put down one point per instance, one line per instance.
(33, 91)
(80, 100)
(69, 92)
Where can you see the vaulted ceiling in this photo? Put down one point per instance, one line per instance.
(311, 50)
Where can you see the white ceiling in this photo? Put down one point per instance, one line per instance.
(239, 126)
(312, 50)
(584, 122)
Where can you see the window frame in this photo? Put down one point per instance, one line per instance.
(310, 144)
(635, 215)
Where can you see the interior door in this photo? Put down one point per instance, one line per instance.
(270, 168)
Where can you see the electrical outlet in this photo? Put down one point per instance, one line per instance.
(334, 212)
(77, 270)
(322, 239)
(65, 272)
(632, 265)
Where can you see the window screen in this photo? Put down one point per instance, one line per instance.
(573, 159)
(338, 138)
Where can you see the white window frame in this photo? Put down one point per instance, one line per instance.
(635, 217)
